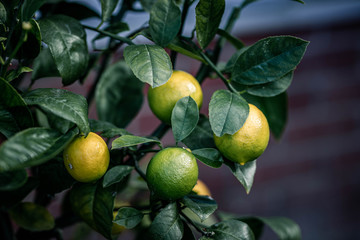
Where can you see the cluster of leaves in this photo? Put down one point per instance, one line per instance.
(48, 39)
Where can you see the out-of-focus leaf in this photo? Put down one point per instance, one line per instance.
(31, 147)
(15, 73)
(66, 39)
(108, 130)
(227, 112)
(116, 174)
(150, 63)
(231, 39)
(118, 95)
(63, 103)
(44, 66)
(131, 140)
(128, 217)
(71, 9)
(147, 4)
(184, 118)
(114, 28)
(12, 180)
(208, 18)
(107, 8)
(165, 21)
(29, 7)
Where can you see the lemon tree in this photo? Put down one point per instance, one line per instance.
(51, 150)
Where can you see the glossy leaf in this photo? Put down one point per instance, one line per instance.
(11, 198)
(66, 39)
(15, 107)
(118, 95)
(108, 130)
(44, 66)
(130, 140)
(29, 7)
(209, 156)
(128, 217)
(202, 206)
(275, 109)
(94, 205)
(284, 228)
(208, 18)
(244, 173)
(167, 224)
(107, 8)
(32, 217)
(271, 89)
(227, 112)
(150, 63)
(184, 118)
(12, 180)
(165, 21)
(31, 147)
(268, 60)
(8, 126)
(71, 9)
(116, 174)
(231, 230)
(202, 136)
(54, 177)
(63, 103)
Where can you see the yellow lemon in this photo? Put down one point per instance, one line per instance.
(249, 142)
(201, 189)
(162, 99)
(87, 159)
(172, 173)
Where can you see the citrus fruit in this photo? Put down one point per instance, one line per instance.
(162, 99)
(87, 159)
(201, 188)
(172, 173)
(249, 142)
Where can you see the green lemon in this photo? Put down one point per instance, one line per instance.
(87, 159)
(162, 99)
(172, 173)
(249, 142)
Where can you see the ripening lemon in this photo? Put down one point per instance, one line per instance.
(249, 142)
(162, 99)
(87, 159)
(201, 189)
(172, 173)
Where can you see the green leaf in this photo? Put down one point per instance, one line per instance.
(208, 18)
(271, 89)
(167, 224)
(284, 228)
(209, 156)
(202, 206)
(116, 174)
(150, 63)
(182, 47)
(108, 130)
(237, 43)
(3, 14)
(54, 177)
(13, 106)
(147, 4)
(275, 109)
(12, 180)
(202, 136)
(94, 205)
(184, 118)
(107, 8)
(66, 39)
(165, 21)
(128, 217)
(71, 9)
(29, 7)
(11, 198)
(44, 66)
(227, 112)
(130, 140)
(32, 147)
(114, 28)
(62, 103)
(244, 173)
(268, 60)
(58, 123)
(32, 217)
(15, 73)
(231, 230)
(118, 95)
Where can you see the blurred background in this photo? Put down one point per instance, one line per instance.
(311, 175)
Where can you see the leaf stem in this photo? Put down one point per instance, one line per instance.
(109, 34)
